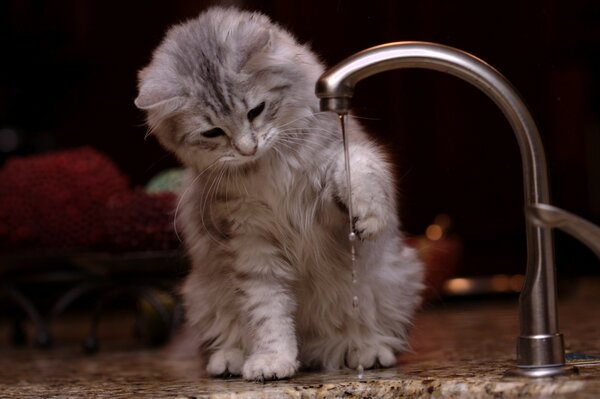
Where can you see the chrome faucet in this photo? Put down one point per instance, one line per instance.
(540, 345)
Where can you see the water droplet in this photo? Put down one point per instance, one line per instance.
(352, 236)
(355, 301)
(361, 372)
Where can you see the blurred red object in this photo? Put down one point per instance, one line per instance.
(139, 221)
(66, 200)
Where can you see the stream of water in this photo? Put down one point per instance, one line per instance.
(351, 234)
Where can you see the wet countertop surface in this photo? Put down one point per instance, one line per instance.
(460, 349)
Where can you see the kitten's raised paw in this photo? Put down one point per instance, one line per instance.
(369, 226)
(269, 366)
(371, 214)
(225, 363)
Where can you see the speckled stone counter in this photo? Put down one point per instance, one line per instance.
(460, 349)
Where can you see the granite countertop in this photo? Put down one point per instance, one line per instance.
(460, 349)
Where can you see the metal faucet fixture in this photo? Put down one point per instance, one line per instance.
(540, 346)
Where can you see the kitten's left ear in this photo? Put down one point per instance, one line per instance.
(261, 41)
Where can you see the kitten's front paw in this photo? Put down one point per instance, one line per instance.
(269, 366)
(370, 218)
(225, 362)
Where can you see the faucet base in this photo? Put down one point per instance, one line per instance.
(541, 350)
(541, 372)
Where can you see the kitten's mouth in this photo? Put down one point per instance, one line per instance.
(239, 160)
(235, 158)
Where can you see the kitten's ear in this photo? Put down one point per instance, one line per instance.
(259, 43)
(155, 95)
(156, 91)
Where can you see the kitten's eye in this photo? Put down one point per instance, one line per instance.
(254, 112)
(215, 132)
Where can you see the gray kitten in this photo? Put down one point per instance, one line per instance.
(232, 95)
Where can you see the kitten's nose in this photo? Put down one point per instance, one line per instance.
(246, 145)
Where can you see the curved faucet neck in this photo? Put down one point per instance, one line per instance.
(540, 344)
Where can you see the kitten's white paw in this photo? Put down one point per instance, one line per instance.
(369, 225)
(269, 366)
(370, 211)
(371, 357)
(226, 361)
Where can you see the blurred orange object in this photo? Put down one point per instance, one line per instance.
(441, 253)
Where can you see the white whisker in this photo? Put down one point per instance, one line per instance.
(367, 118)
(309, 139)
(295, 142)
(184, 193)
(300, 118)
(207, 201)
(213, 199)
(227, 176)
(306, 128)
(289, 146)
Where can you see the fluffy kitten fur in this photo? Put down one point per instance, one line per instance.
(263, 214)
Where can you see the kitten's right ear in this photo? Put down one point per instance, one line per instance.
(156, 91)
(154, 95)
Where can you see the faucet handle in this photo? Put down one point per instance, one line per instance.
(545, 215)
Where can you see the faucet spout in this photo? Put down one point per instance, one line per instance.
(540, 347)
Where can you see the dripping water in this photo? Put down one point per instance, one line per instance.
(361, 372)
(351, 234)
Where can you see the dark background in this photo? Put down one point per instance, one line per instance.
(68, 78)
